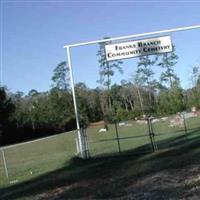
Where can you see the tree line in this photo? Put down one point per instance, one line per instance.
(38, 114)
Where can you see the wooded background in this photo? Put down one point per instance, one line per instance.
(36, 114)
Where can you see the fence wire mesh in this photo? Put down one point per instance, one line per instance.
(32, 159)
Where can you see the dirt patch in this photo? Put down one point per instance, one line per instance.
(96, 124)
(170, 184)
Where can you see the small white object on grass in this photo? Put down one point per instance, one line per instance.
(155, 120)
(122, 124)
(164, 118)
(128, 125)
(190, 115)
(102, 130)
(141, 121)
(14, 181)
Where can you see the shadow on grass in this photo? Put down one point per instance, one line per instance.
(110, 176)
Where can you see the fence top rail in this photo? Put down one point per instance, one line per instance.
(134, 36)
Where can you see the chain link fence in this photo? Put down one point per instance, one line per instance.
(140, 136)
(31, 159)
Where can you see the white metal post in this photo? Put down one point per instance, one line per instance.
(5, 164)
(80, 141)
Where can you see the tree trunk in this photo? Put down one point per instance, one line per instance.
(109, 102)
(150, 101)
(170, 79)
(125, 103)
(131, 105)
(108, 85)
(141, 102)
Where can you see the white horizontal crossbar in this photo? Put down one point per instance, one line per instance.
(133, 36)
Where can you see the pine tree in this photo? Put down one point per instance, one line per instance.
(168, 61)
(59, 77)
(107, 69)
(145, 75)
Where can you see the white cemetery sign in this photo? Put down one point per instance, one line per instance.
(138, 48)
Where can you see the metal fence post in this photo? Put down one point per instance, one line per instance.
(80, 136)
(151, 134)
(117, 136)
(85, 144)
(5, 164)
(184, 123)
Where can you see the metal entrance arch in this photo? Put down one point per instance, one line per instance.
(82, 146)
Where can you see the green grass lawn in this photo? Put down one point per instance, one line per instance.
(170, 173)
(29, 161)
(33, 159)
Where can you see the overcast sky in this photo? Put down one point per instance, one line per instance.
(33, 35)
